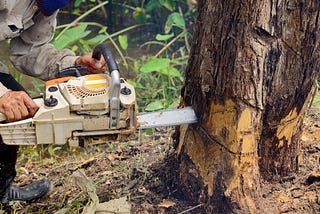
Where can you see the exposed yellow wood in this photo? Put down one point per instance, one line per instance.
(236, 134)
(222, 124)
(246, 133)
(230, 129)
(204, 156)
(183, 130)
(287, 128)
(244, 168)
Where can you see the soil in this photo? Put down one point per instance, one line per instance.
(133, 176)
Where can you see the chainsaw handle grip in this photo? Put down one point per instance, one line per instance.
(75, 71)
(103, 50)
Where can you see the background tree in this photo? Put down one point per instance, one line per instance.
(250, 78)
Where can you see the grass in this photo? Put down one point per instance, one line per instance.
(316, 100)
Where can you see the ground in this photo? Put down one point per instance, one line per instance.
(135, 177)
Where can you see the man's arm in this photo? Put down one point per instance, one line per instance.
(32, 54)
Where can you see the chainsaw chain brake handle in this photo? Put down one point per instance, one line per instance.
(103, 50)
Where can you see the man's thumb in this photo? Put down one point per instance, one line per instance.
(97, 64)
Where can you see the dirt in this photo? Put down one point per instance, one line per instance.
(133, 176)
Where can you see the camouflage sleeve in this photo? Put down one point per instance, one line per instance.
(32, 54)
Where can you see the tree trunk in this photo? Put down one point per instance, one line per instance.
(250, 80)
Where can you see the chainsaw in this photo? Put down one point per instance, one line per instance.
(82, 110)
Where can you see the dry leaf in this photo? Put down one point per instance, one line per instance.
(120, 205)
(304, 137)
(119, 149)
(113, 157)
(143, 190)
(167, 204)
(87, 186)
(106, 173)
(283, 198)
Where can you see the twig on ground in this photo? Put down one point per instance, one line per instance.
(192, 208)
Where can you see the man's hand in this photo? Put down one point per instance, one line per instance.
(94, 66)
(17, 105)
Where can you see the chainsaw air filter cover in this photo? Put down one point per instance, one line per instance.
(87, 93)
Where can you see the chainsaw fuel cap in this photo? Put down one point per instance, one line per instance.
(53, 88)
(51, 101)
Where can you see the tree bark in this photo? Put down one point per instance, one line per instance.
(250, 79)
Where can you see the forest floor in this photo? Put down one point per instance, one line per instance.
(129, 177)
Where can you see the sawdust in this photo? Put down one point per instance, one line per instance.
(136, 170)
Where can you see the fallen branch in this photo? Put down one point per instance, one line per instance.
(192, 208)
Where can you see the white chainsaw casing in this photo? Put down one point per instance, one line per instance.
(79, 114)
(87, 93)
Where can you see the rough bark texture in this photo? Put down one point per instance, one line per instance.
(250, 78)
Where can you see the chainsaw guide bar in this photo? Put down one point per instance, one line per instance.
(172, 117)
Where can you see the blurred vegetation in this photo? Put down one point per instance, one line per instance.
(150, 40)
(316, 100)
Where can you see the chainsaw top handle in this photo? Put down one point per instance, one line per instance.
(103, 50)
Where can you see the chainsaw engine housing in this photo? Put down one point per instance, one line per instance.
(78, 111)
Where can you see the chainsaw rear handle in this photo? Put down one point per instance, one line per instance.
(76, 71)
(103, 50)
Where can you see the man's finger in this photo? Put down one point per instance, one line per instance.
(23, 110)
(96, 64)
(30, 105)
(9, 116)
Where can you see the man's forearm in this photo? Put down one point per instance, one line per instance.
(42, 62)
(32, 53)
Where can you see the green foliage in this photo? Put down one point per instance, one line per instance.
(155, 65)
(17, 76)
(140, 15)
(316, 100)
(77, 3)
(168, 4)
(47, 153)
(161, 75)
(158, 83)
(165, 37)
(38, 88)
(71, 36)
(123, 40)
(174, 19)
